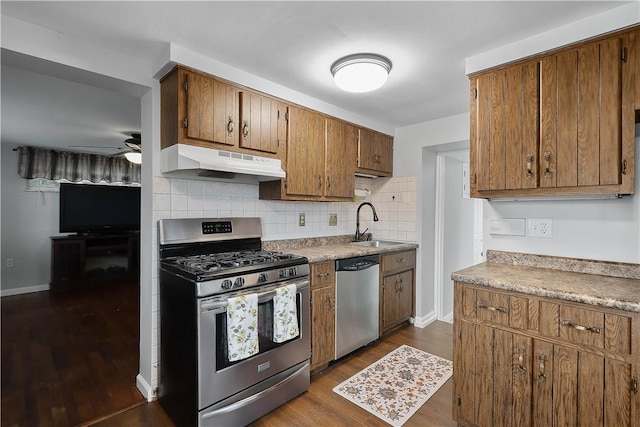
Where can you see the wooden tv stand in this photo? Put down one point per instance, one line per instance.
(81, 261)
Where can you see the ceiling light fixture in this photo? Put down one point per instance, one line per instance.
(134, 157)
(362, 72)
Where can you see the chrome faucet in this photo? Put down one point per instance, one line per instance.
(375, 218)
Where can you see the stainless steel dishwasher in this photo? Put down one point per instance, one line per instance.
(357, 295)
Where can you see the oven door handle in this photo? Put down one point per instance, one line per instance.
(262, 297)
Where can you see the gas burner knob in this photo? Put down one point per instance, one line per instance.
(293, 271)
(239, 282)
(284, 274)
(263, 277)
(226, 284)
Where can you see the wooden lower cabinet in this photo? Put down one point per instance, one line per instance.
(323, 321)
(506, 378)
(397, 290)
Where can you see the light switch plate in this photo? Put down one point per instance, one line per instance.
(301, 220)
(507, 227)
(333, 220)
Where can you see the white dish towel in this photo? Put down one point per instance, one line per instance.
(242, 327)
(285, 314)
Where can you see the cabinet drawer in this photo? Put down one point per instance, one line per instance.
(495, 307)
(398, 260)
(583, 326)
(322, 274)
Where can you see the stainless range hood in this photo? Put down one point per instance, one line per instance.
(209, 162)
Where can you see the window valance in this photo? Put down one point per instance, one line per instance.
(75, 167)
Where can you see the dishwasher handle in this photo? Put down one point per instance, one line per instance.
(357, 263)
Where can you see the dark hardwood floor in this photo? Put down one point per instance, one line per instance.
(69, 358)
(320, 406)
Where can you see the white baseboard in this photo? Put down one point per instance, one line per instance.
(25, 290)
(448, 318)
(145, 389)
(425, 320)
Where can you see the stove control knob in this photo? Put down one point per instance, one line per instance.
(262, 277)
(284, 274)
(226, 284)
(239, 282)
(293, 271)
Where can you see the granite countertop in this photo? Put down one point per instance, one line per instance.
(331, 248)
(599, 283)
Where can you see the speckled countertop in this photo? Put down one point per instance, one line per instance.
(600, 283)
(330, 248)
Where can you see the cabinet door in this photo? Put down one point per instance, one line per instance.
(397, 299)
(322, 326)
(259, 117)
(305, 153)
(505, 132)
(581, 134)
(375, 152)
(590, 389)
(211, 112)
(340, 158)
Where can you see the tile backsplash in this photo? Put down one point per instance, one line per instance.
(393, 198)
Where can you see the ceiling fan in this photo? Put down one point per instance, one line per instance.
(132, 152)
(135, 144)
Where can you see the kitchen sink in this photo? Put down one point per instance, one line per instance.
(376, 243)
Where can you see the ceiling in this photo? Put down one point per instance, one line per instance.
(289, 43)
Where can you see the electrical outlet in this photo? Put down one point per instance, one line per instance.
(540, 227)
(301, 220)
(333, 220)
(9, 262)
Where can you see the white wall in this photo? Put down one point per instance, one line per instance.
(28, 219)
(457, 236)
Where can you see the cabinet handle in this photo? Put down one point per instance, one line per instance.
(547, 164)
(541, 366)
(624, 167)
(530, 166)
(319, 181)
(521, 355)
(590, 328)
(401, 260)
(402, 284)
(491, 308)
(329, 303)
(230, 126)
(634, 385)
(328, 182)
(321, 275)
(245, 129)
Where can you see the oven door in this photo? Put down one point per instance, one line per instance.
(219, 378)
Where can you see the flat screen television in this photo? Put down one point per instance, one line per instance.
(99, 209)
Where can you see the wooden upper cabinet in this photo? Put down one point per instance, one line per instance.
(340, 158)
(581, 137)
(505, 128)
(561, 123)
(375, 153)
(305, 153)
(211, 113)
(259, 118)
(320, 159)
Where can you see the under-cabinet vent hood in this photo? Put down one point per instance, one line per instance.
(218, 163)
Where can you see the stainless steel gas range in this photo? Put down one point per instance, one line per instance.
(207, 267)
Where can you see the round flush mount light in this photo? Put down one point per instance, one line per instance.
(362, 72)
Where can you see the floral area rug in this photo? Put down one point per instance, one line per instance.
(396, 386)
